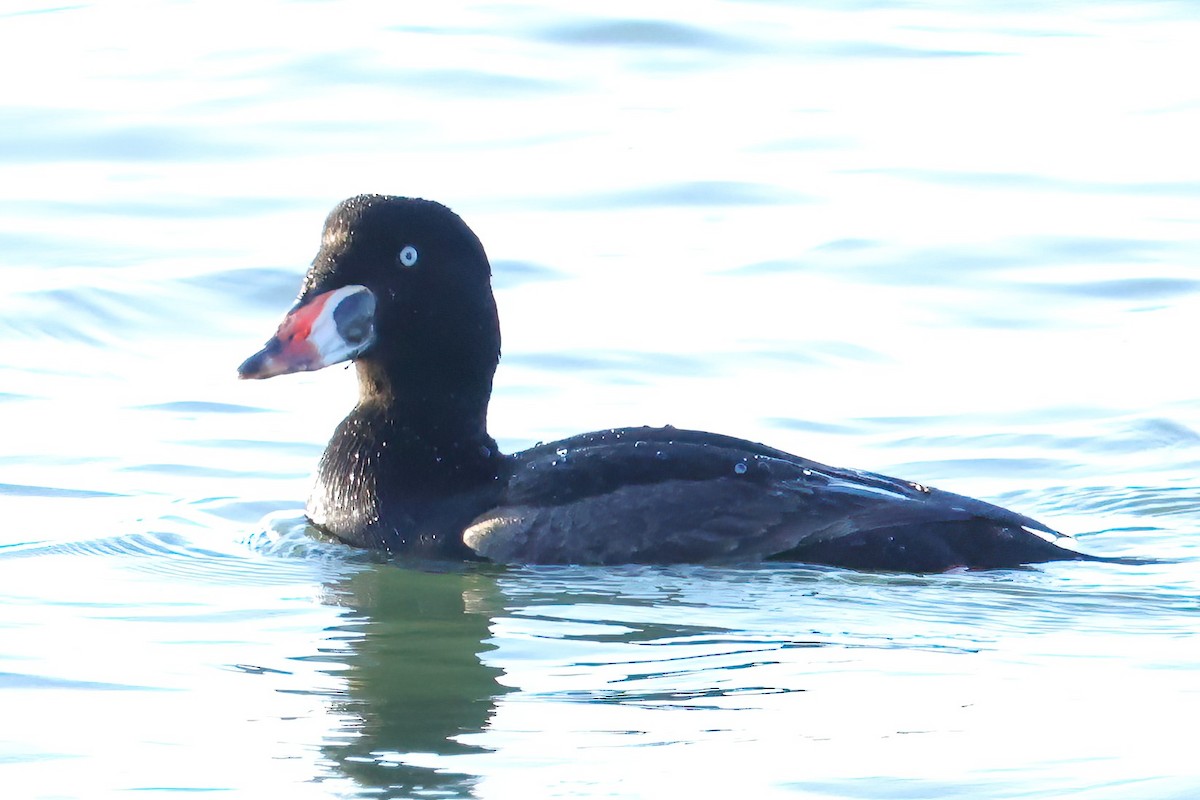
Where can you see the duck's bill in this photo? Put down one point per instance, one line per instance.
(327, 329)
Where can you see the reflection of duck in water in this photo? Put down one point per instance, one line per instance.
(402, 287)
(414, 680)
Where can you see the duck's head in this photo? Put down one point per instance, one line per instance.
(402, 287)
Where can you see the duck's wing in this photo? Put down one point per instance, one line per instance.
(669, 496)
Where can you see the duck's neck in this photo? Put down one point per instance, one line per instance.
(437, 410)
(402, 456)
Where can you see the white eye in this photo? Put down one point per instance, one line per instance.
(407, 256)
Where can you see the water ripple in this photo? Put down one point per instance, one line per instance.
(641, 33)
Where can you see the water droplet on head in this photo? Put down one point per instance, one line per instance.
(485, 451)
(639, 444)
(561, 452)
(740, 468)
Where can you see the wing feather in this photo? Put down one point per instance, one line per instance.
(666, 496)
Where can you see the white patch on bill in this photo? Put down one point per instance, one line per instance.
(325, 337)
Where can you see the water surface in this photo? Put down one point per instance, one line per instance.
(943, 241)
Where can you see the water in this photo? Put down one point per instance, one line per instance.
(947, 242)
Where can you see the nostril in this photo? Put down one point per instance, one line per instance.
(355, 332)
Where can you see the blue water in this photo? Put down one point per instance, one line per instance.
(951, 242)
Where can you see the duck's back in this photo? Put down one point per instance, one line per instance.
(664, 495)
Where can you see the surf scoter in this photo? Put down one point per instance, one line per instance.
(402, 287)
